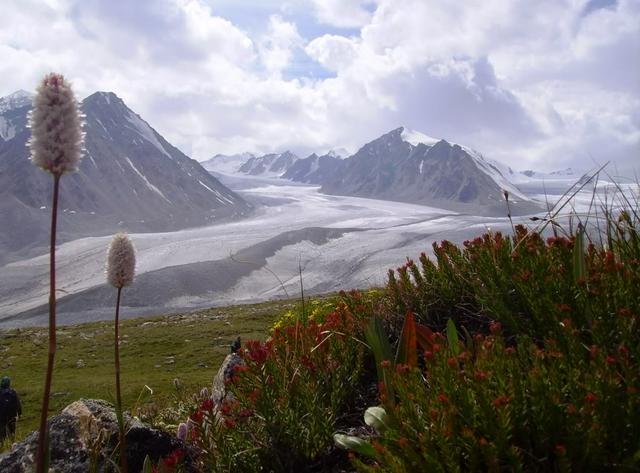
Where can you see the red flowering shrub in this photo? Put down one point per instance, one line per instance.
(285, 401)
(529, 286)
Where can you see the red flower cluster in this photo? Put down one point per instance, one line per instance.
(174, 459)
(257, 351)
(501, 401)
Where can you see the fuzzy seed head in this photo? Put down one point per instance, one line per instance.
(55, 120)
(121, 261)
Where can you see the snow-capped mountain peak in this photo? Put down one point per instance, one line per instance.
(498, 172)
(339, 153)
(227, 163)
(273, 164)
(18, 99)
(415, 137)
(12, 118)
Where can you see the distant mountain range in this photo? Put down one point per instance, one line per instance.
(406, 166)
(226, 163)
(273, 164)
(267, 165)
(130, 179)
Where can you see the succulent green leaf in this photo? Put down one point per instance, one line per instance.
(147, 466)
(579, 263)
(376, 417)
(356, 444)
(379, 343)
(452, 337)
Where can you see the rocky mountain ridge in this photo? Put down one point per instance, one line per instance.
(403, 165)
(130, 179)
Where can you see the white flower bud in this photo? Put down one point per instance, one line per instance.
(121, 261)
(56, 127)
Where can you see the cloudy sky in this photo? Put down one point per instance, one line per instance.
(545, 84)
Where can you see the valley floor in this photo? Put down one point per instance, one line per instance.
(338, 242)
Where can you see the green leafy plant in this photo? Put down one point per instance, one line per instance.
(496, 407)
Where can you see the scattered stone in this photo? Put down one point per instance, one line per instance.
(223, 377)
(61, 394)
(80, 364)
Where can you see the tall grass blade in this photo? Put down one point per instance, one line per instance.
(579, 258)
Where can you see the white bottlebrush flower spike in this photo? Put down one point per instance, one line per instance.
(121, 261)
(56, 127)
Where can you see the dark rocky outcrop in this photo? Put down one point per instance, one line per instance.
(84, 434)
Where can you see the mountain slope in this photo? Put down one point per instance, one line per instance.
(130, 179)
(410, 167)
(314, 169)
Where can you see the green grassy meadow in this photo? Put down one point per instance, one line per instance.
(154, 351)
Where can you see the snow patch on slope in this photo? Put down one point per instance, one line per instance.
(146, 181)
(7, 131)
(215, 192)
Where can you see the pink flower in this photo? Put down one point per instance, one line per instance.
(121, 261)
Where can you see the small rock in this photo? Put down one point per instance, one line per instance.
(61, 394)
(223, 377)
(80, 364)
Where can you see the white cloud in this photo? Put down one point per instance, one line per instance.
(334, 52)
(343, 13)
(278, 45)
(536, 87)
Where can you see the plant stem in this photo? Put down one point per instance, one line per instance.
(43, 437)
(123, 450)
